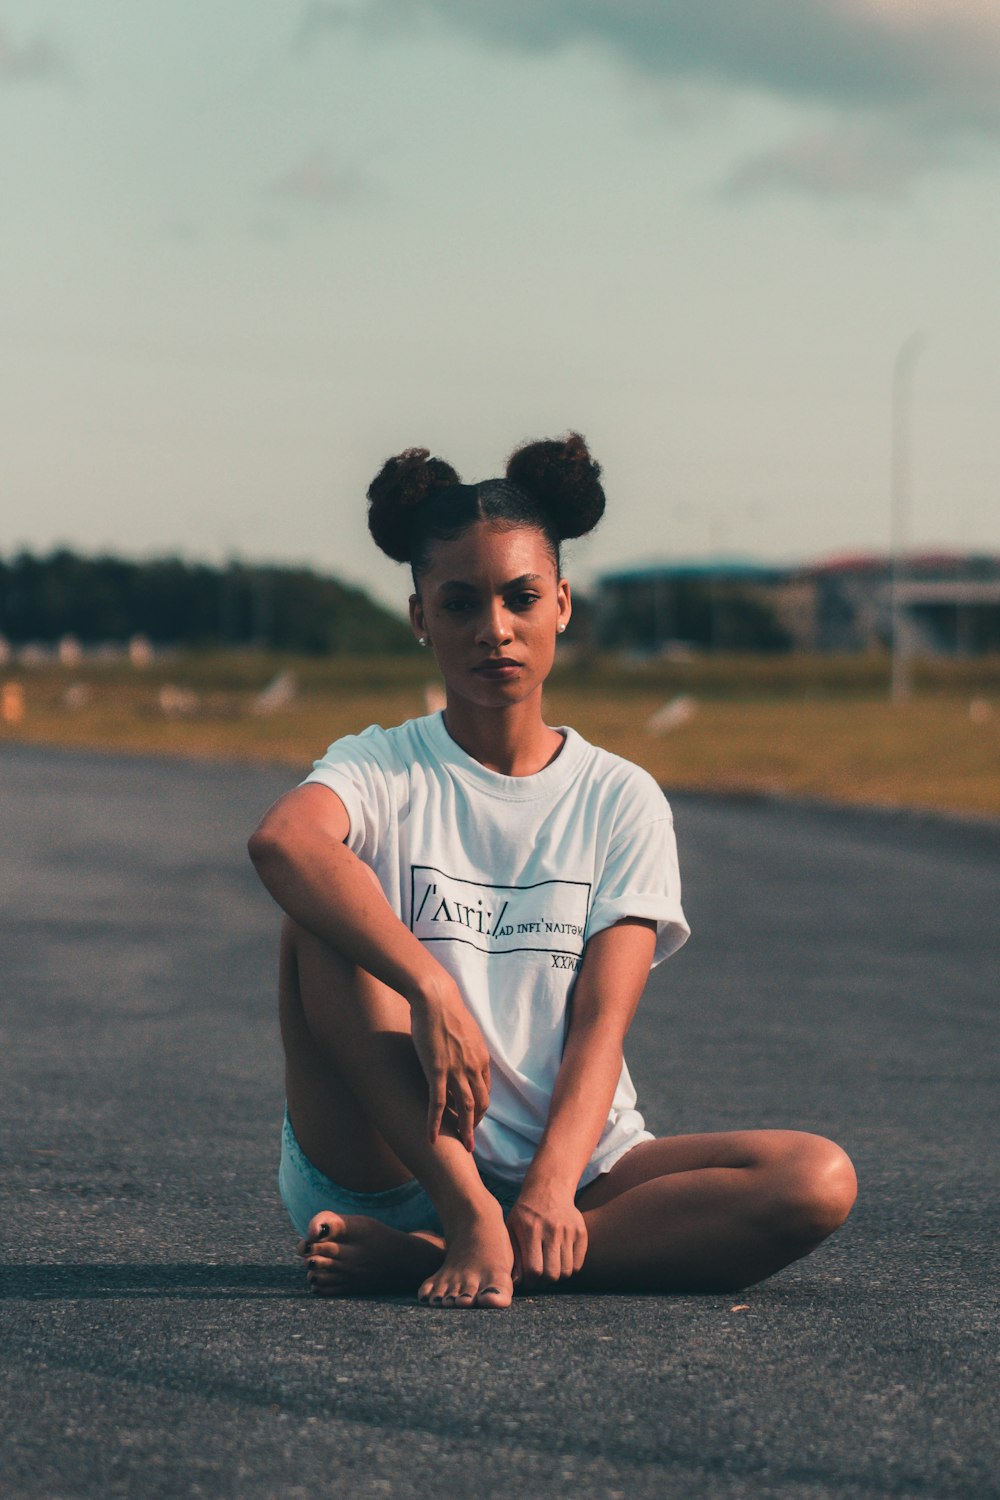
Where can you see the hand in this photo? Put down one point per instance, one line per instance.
(456, 1064)
(548, 1234)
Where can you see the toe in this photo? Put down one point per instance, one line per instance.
(323, 1263)
(328, 1286)
(494, 1295)
(325, 1277)
(325, 1225)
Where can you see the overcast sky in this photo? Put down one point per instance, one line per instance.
(249, 248)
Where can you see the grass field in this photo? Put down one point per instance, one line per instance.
(818, 727)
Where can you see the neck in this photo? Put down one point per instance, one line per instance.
(514, 740)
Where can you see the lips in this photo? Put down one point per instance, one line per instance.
(499, 666)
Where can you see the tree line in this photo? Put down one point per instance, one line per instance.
(198, 605)
(177, 603)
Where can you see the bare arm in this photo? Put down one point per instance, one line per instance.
(298, 850)
(548, 1231)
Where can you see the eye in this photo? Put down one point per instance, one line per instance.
(456, 606)
(524, 600)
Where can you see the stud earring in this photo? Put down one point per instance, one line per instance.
(560, 627)
(423, 640)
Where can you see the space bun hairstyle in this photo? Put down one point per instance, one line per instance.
(402, 485)
(563, 480)
(416, 500)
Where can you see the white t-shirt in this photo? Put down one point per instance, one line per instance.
(505, 878)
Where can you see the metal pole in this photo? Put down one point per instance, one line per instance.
(899, 510)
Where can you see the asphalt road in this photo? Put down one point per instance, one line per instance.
(158, 1340)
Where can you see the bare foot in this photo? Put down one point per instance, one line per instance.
(476, 1271)
(351, 1254)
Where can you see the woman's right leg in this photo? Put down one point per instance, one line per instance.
(357, 1098)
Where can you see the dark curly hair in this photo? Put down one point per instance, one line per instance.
(415, 500)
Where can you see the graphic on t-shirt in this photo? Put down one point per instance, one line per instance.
(547, 917)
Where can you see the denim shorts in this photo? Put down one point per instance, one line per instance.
(306, 1191)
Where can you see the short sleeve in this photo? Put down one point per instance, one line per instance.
(641, 878)
(358, 769)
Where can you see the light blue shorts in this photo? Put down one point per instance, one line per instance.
(306, 1191)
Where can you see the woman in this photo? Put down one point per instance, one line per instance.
(474, 901)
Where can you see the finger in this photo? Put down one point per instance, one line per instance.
(436, 1105)
(465, 1113)
(580, 1246)
(553, 1262)
(532, 1257)
(481, 1093)
(516, 1271)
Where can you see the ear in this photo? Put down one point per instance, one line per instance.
(564, 602)
(417, 619)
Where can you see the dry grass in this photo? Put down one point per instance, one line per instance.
(927, 753)
(758, 727)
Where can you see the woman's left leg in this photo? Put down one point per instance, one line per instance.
(711, 1213)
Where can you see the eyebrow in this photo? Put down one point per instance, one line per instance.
(470, 588)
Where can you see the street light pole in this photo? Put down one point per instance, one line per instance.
(899, 508)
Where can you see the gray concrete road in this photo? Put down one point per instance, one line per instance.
(157, 1337)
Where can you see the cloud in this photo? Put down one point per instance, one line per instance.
(34, 61)
(315, 180)
(834, 163)
(897, 70)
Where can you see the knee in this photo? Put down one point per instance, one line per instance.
(301, 950)
(290, 929)
(292, 936)
(813, 1191)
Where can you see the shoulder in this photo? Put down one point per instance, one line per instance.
(372, 773)
(625, 789)
(393, 750)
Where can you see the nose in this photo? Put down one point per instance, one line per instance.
(494, 629)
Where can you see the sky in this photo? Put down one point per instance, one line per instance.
(250, 248)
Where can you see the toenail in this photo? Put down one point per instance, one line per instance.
(313, 1264)
(322, 1231)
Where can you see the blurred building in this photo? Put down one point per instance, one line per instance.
(950, 600)
(950, 605)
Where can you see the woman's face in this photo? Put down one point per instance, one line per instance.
(490, 604)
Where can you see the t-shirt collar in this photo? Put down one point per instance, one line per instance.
(551, 778)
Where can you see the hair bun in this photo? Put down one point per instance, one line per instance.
(398, 488)
(560, 475)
